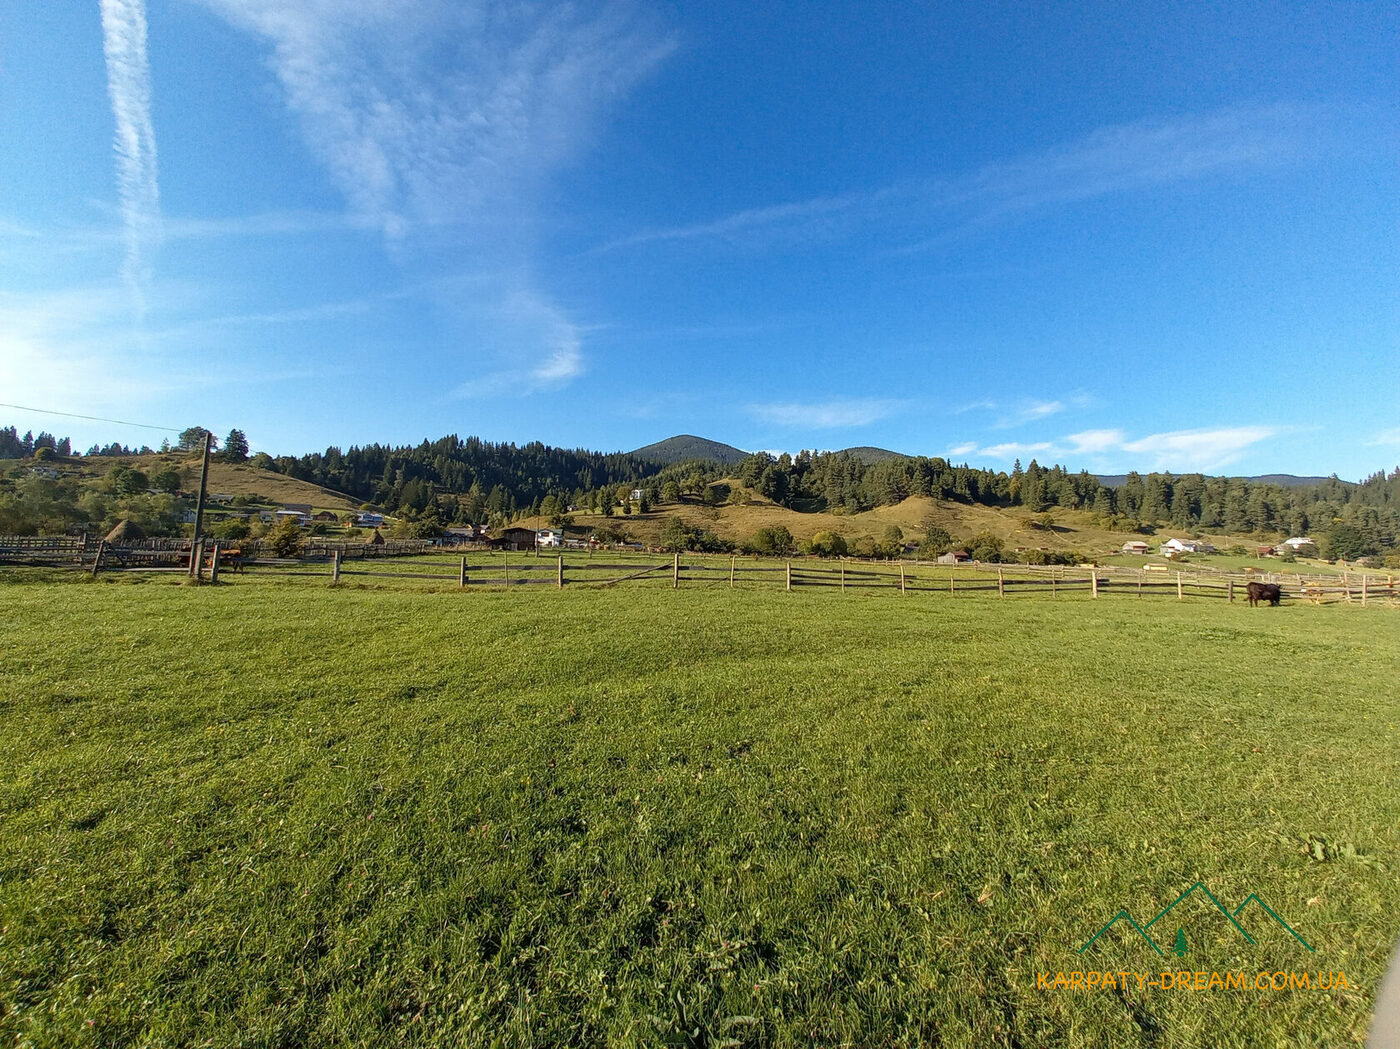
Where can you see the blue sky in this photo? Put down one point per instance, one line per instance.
(1115, 236)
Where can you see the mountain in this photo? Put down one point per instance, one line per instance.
(867, 454)
(684, 446)
(1282, 480)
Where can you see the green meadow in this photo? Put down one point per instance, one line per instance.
(285, 815)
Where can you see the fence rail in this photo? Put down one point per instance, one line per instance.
(346, 562)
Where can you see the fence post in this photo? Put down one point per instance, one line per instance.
(901, 578)
(462, 578)
(731, 571)
(1363, 589)
(561, 571)
(1230, 591)
(789, 575)
(1179, 596)
(952, 574)
(1094, 581)
(335, 566)
(505, 568)
(676, 572)
(214, 564)
(1001, 583)
(97, 561)
(843, 575)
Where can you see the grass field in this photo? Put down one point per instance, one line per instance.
(282, 815)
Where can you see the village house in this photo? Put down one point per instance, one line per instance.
(1136, 547)
(549, 537)
(369, 519)
(514, 539)
(1299, 544)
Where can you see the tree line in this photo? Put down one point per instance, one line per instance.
(455, 479)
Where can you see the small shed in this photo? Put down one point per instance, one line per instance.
(954, 557)
(516, 539)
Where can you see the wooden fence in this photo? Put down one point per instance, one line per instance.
(425, 562)
(507, 571)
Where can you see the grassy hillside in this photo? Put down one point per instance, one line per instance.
(1072, 530)
(223, 478)
(369, 818)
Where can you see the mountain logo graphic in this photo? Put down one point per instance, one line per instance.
(1200, 886)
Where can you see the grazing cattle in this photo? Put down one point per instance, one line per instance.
(1257, 592)
(230, 560)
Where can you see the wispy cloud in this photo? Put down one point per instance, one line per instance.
(827, 415)
(1109, 160)
(776, 218)
(439, 111)
(1198, 449)
(529, 319)
(129, 87)
(1385, 437)
(1026, 411)
(441, 122)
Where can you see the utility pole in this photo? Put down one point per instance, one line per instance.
(203, 486)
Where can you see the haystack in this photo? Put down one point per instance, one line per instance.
(126, 531)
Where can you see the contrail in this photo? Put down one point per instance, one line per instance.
(129, 85)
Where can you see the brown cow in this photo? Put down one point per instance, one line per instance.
(1257, 592)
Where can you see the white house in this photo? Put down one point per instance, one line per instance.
(369, 519)
(549, 537)
(1177, 547)
(1136, 546)
(637, 494)
(1298, 542)
(291, 515)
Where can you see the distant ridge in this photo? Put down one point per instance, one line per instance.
(1282, 480)
(685, 446)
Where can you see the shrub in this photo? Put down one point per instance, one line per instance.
(285, 539)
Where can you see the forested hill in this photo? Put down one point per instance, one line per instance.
(457, 479)
(492, 478)
(685, 447)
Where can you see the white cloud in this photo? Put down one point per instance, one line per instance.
(1192, 450)
(1180, 451)
(1091, 441)
(1014, 449)
(827, 415)
(129, 87)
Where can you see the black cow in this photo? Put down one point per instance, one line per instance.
(1257, 592)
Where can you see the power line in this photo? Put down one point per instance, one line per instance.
(90, 418)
